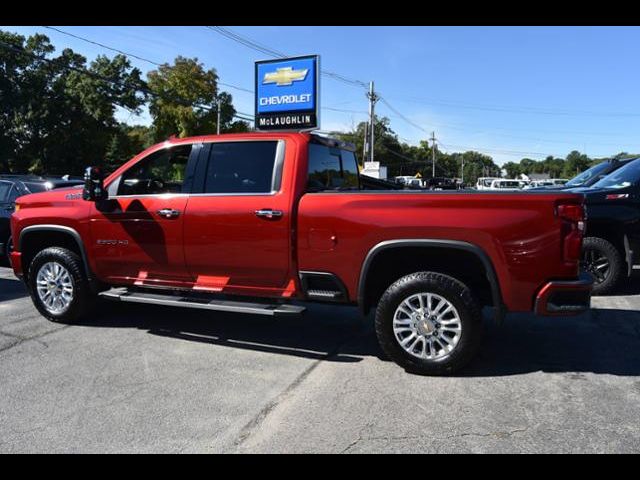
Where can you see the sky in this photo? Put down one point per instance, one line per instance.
(509, 92)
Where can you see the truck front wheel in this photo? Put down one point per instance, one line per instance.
(58, 286)
(429, 323)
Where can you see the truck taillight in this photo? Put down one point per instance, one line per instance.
(573, 219)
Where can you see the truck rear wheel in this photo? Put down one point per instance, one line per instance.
(58, 286)
(605, 262)
(429, 323)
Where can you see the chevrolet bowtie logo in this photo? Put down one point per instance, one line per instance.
(285, 76)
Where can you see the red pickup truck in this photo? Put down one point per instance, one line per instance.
(259, 222)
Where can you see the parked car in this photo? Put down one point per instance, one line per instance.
(14, 186)
(484, 183)
(540, 184)
(505, 185)
(612, 240)
(248, 222)
(409, 181)
(441, 183)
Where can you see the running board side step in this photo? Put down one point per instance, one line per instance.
(273, 310)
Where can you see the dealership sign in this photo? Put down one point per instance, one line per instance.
(287, 94)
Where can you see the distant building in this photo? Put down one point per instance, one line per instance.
(375, 170)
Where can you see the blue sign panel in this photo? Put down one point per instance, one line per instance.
(287, 94)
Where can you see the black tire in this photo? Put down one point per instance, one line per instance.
(605, 282)
(452, 290)
(83, 297)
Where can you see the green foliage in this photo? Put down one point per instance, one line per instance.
(57, 112)
(568, 167)
(126, 142)
(60, 119)
(180, 90)
(403, 159)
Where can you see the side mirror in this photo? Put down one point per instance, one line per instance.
(94, 185)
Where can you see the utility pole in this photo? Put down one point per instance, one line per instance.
(433, 153)
(364, 145)
(462, 171)
(373, 98)
(218, 113)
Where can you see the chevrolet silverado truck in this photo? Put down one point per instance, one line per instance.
(260, 223)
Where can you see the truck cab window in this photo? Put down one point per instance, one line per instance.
(331, 169)
(241, 167)
(161, 172)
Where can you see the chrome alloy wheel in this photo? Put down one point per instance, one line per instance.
(427, 326)
(55, 287)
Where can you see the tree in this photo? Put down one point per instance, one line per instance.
(513, 169)
(62, 111)
(184, 100)
(127, 142)
(403, 159)
(575, 163)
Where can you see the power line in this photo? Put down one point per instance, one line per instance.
(516, 109)
(274, 53)
(254, 45)
(403, 117)
(132, 55)
(277, 54)
(137, 87)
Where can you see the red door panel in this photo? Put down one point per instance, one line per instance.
(228, 245)
(132, 241)
(231, 243)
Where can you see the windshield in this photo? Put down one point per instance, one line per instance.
(36, 187)
(621, 178)
(507, 185)
(587, 175)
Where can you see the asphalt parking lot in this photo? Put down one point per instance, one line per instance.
(152, 379)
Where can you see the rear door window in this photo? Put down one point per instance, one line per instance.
(242, 167)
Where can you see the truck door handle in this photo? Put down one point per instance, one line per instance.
(268, 213)
(169, 213)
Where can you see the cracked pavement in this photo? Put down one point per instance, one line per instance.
(153, 379)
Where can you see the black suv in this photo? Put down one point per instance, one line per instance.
(14, 186)
(612, 240)
(441, 183)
